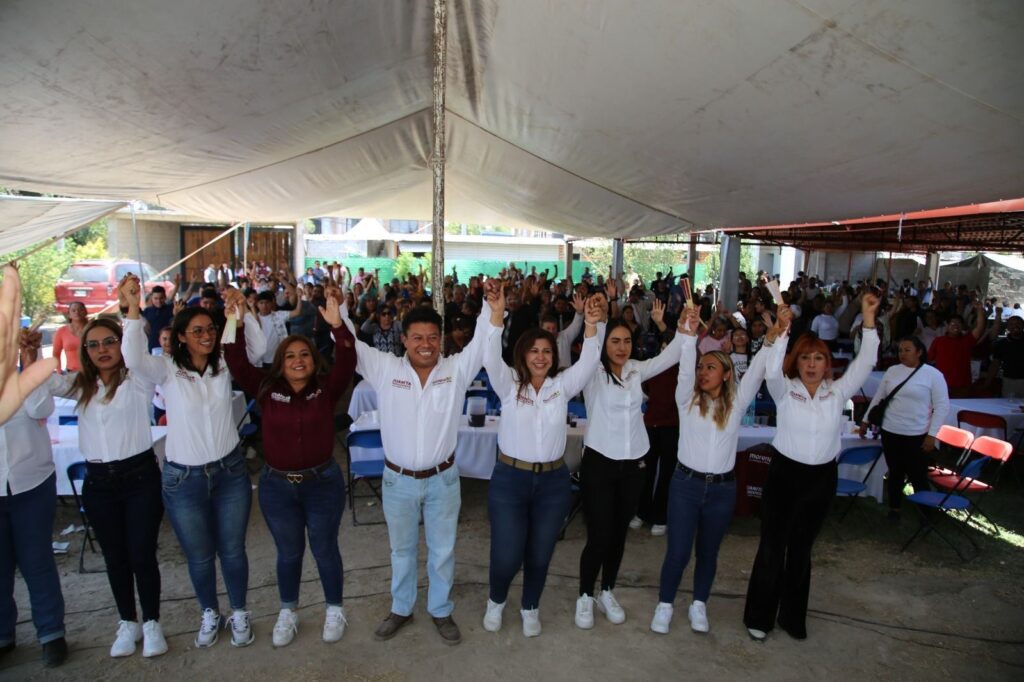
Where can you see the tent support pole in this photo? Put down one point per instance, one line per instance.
(138, 248)
(849, 266)
(437, 158)
(568, 262)
(691, 261)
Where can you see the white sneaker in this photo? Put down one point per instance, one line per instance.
(128, 633)
(585, 612)
(334, 624)
(757, 635)
(662, 618)
(658, 529)
(492, 619)
(285, 629)
(153, 642)
(531, 622)
(209, 629)
(699, 617)
(241, 630)
(636, 522)
(607, 605)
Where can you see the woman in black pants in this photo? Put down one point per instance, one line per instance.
(613, 470)
(122, 489)
(912, 419)
(802, 477)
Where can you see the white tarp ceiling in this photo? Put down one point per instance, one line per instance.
(27, 220)
(599, 117)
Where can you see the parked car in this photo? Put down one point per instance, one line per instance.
(94, 282)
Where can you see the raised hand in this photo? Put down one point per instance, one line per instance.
(332, 311)
(129, 293)
(689, 321)
(579, 303)
(658, 312)
(15, 387)
(595, 311)
(869, 308)
(611, 288)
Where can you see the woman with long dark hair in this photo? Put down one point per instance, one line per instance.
(68, 338)
(912, 419)
(802, 477)
(205, 484)
(302, 489)
(612, 472)
(529, 493)
(121, 494)
(702, 495)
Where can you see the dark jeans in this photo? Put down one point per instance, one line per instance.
(26, 532)
(611, 490)
(794, 504)
(292, 510)
(209, 509)
(701, 510)
(661, 462)
(123, 503)
(526, 511)
(905, 459)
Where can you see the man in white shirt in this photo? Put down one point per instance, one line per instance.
(272, 321)
(420, 398)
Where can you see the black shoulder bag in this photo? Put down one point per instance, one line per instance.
(877, 413)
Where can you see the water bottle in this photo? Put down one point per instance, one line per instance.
(749, 417)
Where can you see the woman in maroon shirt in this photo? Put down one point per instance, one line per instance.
(301, 488)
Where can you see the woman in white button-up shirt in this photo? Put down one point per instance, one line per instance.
(121, 493)
(702, 495)
(802, 477)
(612, 472)
(206, 488)
(529, 493)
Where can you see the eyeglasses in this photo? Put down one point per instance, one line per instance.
(106, 343)
(203, 331)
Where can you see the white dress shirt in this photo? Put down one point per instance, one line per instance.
(199, 410)
(26, 458)
(564, 342)
(420, 423)
(920, 406)
(274, 332)
(615, 424)
(109, 432)
(826, 327)
(808, 428)
(533, 426)
(704, 447)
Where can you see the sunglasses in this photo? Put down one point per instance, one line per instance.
(106, 343)
(203, 331)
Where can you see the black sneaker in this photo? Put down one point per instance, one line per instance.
(55, 652)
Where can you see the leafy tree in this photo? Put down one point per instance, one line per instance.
(407, 263)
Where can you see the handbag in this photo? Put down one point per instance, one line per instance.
(876, 415)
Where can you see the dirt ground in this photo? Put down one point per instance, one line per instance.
(875, 613)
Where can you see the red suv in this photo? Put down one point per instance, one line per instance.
(94, 283)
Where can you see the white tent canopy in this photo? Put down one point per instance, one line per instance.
(604, 118)
(27, 220)
(366, 229)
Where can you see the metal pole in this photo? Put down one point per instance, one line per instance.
(691, 261)
(438, 153)
(138, 250)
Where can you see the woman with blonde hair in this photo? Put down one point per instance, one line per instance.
(702, 494)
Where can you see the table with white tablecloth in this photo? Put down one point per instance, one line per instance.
(1007, 408)
(364, 399)
(66, 452)
(476, 448)
(755, 435)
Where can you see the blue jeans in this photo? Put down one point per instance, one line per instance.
(527, 511)
(435, 500)
(698, 509)
(209, 510)
(292, 510)
(26, 529)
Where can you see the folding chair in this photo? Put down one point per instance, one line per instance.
(67, 420)
(959, 441)
(577, 409)
(967, 482)
(989, 449)
(76, 475)
(858, 456)
(982, 420)
(364, 469)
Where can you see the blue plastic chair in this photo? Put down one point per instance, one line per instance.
(858, 456)
(577, 409)
(364, 470)
(77, 472)
(247, 430)
(67, 420)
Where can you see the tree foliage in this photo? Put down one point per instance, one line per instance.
(645, 262)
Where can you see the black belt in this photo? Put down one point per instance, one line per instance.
(122, 467)
(302, 474)
(423, 473)
(708, 478)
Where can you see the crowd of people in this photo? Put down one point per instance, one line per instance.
(666, 376)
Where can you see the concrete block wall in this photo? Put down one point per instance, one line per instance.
(160, 241)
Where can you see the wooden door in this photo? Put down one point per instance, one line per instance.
(221, 251)
(271, 246)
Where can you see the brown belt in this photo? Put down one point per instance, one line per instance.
(425, 473)
(535, 467)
